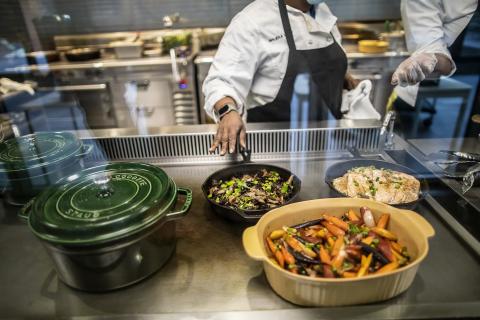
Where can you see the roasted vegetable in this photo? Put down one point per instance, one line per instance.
(262, 190)
(383, 221)
(331, 247)
(384, 233)
(336, 231)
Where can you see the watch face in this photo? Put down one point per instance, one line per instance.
(223, 109)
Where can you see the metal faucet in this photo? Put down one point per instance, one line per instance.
(388, 124)
(170, 20)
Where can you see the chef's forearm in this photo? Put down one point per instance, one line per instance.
(226, 100)
(444, 65)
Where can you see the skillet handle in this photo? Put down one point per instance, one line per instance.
(186, 206)
(251, 244)
(246, 154)
(354, 151)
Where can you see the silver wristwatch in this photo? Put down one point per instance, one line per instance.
(220, 113)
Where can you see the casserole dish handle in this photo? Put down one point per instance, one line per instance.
(421, 222)
(252, 244)
(186, 206)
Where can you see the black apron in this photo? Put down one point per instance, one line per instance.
(325, 69)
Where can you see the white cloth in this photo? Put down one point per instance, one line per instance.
(432, 26)
(356, 103)
(7, 85)
(251, 60)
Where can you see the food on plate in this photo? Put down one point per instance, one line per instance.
(383, 185)
(352, 246)
(264, 189)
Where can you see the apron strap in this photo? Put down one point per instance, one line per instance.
(286, 25)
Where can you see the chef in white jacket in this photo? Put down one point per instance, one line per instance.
(431, 26)
(266, 47)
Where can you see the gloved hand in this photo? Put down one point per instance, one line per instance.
(414, 69)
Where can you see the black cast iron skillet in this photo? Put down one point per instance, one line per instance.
(339, 169)
(247, 167)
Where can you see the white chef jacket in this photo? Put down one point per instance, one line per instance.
(433, 25)
(252, 58)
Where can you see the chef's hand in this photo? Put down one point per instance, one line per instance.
(230, 127)
(414, 69)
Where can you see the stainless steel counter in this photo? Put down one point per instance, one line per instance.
(210, 276)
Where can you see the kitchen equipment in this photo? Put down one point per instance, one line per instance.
(395, 39)
(372, 46)
(340, 168)
(83, 54)
(108, 226)
(241, 215)
(42, 57)
(412, 229)
(210, 38)
(30, 163)
(127, 50)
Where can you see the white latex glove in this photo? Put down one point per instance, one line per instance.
(414, 69)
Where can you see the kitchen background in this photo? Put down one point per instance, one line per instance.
(144, 92)
(47, 18)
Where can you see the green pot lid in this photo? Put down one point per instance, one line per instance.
(102, 203)
(37, 150)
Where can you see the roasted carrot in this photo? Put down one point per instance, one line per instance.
(330, 242)
(348, 274)
(288, 257)
(324, 256)
(271, 245)
(337, 246)
(399, 258)
(300, 247)
(368, 240)
(338, 260)
(383, 221)
(294, 243)
(278, 254)
(396, 246)
(337, 222)
(365, 263)
(336, 231)
(384, 233)
(388, 267)
(352, 216)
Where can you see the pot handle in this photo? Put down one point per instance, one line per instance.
(26, 210)
(186, 206)
(251, 244)
(87, 149)
(421, 222)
